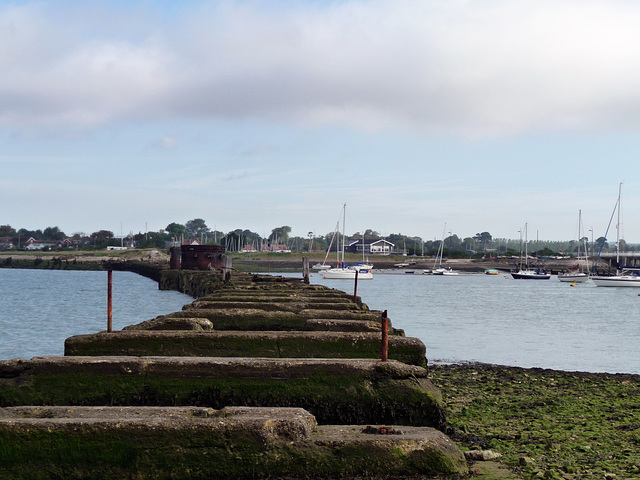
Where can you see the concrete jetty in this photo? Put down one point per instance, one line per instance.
(260, 377)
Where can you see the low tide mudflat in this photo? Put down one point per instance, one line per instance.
(546, 423)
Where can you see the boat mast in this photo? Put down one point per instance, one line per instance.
(344, 220)
(618, 230)
(526, 248)
(580, 239)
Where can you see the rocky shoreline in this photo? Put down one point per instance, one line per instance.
(545, 423)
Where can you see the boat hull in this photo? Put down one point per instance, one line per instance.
(617, 281)
(443, 271)
(530, 275)
(346, 274)
(573, 278)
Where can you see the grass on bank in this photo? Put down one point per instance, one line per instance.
(546, 423)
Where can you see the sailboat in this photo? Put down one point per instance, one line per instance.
(343, 271)
(528, 273)
(440, 270)
(575, 275)
(625, 276)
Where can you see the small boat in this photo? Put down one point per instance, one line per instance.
(627, 277)
(443, 271)
(321, 266)
(346, 273)
(491, 271)
(531, 274)
(573, 273)
(438, 269)
(343, 271)
(527, 273)
(573, 277)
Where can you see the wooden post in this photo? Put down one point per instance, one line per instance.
(305, 269)
(355, 288)
(385, 336)
(109, 300)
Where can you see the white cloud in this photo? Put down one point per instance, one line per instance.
(465, 67)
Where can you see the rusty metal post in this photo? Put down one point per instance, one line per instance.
(109, 300)
(355, 288)
(385, 336)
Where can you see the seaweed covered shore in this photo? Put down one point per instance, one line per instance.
(545, 423)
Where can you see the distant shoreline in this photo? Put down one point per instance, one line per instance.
(270, 262)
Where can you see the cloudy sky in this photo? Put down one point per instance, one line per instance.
(481, 114)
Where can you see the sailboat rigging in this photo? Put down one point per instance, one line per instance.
(528, 273)
(343, 271)
(625, 276)
(577, 275)
(440, 270)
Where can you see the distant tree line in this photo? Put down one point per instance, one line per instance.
(478, 245)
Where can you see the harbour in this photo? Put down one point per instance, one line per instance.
(466, 318)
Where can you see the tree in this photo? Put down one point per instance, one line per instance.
(7, 231)
(53, 233)
(600, 241)
(176, 230)
(483, 239)
(196, 227)
(102, 235)
(280, 235)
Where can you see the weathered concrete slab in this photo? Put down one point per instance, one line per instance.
(336, 391)
(273, 305)
(243, 344)
(235, 442)
(258, 319)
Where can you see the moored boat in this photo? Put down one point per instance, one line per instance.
(625, 276)
(531, 274)
(527, 273)
(575, 274)
(361, 271)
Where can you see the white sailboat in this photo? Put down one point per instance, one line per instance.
(528, 273)
(343, 271)
(625, 276)
(438, 269)
(576, 275)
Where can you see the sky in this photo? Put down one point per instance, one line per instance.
(423, 116)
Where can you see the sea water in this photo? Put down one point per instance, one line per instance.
(39, 309)
(464, 318)
(496, 319)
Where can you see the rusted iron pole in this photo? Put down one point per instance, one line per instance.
(109, 300)
(355, 288)
(385, 336)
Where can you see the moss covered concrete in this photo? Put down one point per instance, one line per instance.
(246, 344)
(335, 391)
(238, 443)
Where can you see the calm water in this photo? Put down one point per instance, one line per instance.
(494, 319)
(39, 309)
(482, 318)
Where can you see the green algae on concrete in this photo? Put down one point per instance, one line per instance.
(243, 344)
(336, 391)
(237, 442)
